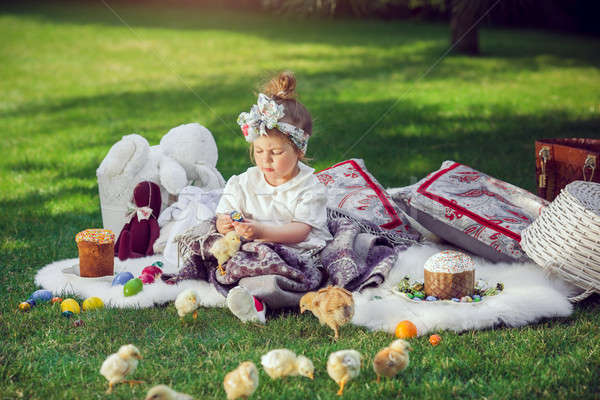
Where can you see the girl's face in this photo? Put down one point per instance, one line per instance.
(276, 157)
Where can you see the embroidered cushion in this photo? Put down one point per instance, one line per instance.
(353, 190)
(472, 210)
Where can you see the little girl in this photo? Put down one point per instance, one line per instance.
(283, 206)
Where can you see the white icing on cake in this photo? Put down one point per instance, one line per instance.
(449, 262)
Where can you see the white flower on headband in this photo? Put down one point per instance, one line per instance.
(265, 115)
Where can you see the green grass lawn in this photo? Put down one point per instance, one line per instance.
(74, 78)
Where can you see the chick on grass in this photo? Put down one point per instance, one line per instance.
(332, 305)
(242, 381)
(163, 392)
(392, 359)
(224, 248)
(283, 362)
(120, 364)
(343, 366)
(187, 302)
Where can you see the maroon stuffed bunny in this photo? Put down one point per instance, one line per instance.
(139, 234)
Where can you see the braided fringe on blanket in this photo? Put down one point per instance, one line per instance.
(368, 227)
(199, 234)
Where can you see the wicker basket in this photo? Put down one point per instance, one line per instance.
(565, 239)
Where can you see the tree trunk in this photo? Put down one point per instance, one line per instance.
(465, 35)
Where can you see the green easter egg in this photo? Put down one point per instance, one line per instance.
(159, 264)
(132, 287)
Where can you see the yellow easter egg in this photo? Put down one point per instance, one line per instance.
(70, 305)
(92, 303)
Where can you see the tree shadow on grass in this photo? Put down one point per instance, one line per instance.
(521, 47)
(408, 142)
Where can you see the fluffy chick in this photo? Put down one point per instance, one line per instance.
(332, 305)
(120, 364)
(343, 366)
(283, 362)
(187, 302)
(392, 359)
(163, 392)
(224, 248)
(242, 381)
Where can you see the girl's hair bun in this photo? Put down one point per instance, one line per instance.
(283, 86)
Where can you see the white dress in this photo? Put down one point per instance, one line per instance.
(301, 199)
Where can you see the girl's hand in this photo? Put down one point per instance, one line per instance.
(248, 229)
(224, 223)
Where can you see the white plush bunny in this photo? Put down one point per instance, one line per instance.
(186, 155)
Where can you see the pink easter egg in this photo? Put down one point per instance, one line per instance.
(152, 270)
(147, 278)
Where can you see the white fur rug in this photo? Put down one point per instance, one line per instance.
(529, 294)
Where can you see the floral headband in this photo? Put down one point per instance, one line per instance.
(266, 115)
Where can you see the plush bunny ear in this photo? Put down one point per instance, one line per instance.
(126, 157)
(172, 175)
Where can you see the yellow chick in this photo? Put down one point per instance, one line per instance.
(343, 366)
(392, 359)
(163, 392)
(120, 364)
(187, 302)
(283, 362)
(224, 248)
(242, 381)
(332, 305)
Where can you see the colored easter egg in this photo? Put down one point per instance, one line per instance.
(420, 295)
(41, 296)
(159, 264)
(466, 299)
(152, 270)
(31, 302)
(435, 340)
(406, 330)
(417, 299)
(410, 295)
(122, 278)
(133, 287)
(70, 305)
(92, 303)
(24, 306)
(56, 300)
(237, 216)
(431, 298)
(67, 314)
(147, 278)
(456, 300)
(78, 322)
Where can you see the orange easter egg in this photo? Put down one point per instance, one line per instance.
(435, 340)
(406, 330)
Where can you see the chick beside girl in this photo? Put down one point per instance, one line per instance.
(283, 205)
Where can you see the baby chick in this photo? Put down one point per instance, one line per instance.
(187, 302)
(283, 362)
(120, 364)
(343, 366)
(163, 392)
(242, 381)
(391, 360)
(224, 248)
(333, 306)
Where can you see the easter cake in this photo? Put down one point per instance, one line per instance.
(96, 252)
(449, 274)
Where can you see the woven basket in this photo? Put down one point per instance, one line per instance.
(446, 286)
(565, 238)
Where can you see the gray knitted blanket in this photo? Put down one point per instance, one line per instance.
(360, 255)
